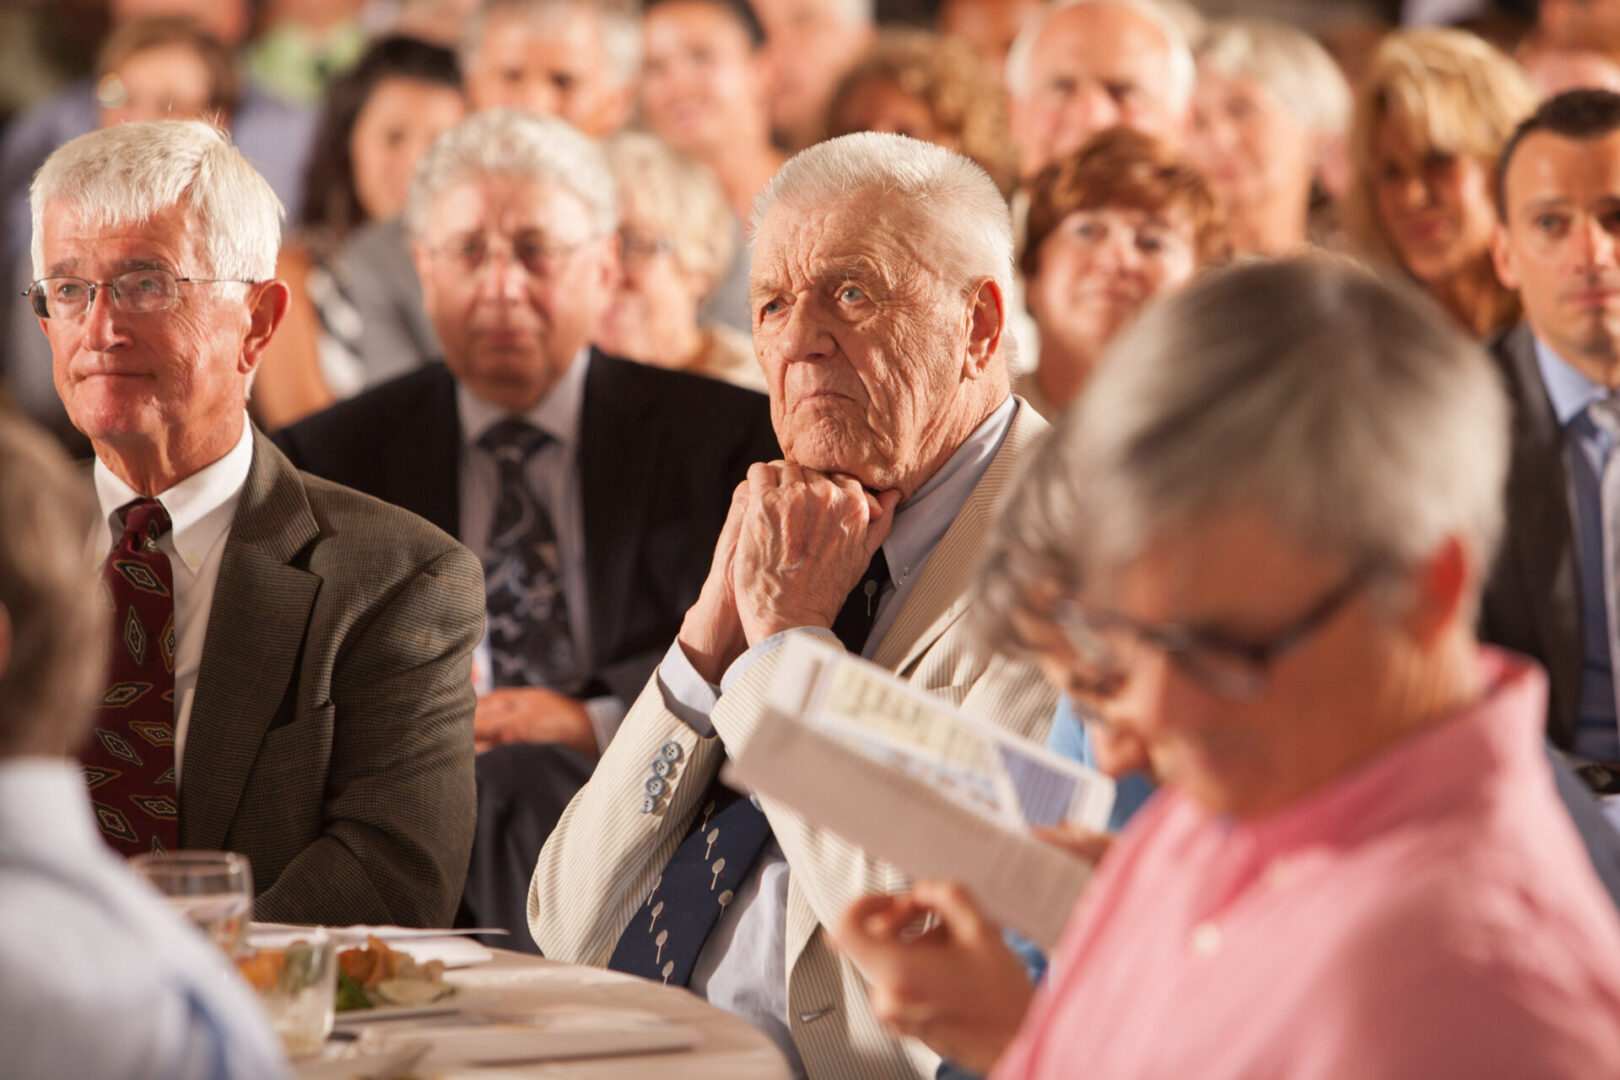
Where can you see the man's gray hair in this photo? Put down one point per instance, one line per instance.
(1288, 62)
(1183, 72)
(126, 174)
(618, 22)
(1347, 409)
(951, 198)
(510, 142)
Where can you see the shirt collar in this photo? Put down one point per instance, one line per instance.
(200, 507)
(922, 520)
(1569, 391)
(557, 414)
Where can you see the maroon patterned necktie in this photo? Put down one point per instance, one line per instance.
(129, 757)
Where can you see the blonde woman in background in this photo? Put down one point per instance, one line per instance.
(676, 241)
(1269, 119)
(1435, 108)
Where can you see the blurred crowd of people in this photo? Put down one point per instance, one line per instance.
(705, 322)
(1366, 140)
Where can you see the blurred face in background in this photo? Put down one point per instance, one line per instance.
(165, 82)
(1100, 266)
(227, 20)
(514, 283)
(1436, 208)
(1254, 151)
(397, 124)
(553, 68)
(699, 74)
(1094, 66)
(810, 44)
(654, 314)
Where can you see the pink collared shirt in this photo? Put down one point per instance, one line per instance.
(1432, 914)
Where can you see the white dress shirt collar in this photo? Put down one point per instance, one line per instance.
(200, 507)
(557, 414)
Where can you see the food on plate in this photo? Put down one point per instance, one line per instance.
(377, 975)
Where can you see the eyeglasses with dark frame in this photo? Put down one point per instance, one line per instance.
(1105, 643)
(540, 259)
(138, 292)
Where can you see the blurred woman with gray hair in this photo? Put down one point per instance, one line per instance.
(676, 240)
(1358, 864)
(1269, 116)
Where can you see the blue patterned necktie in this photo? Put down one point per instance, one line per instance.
(667, 933)
(129, 758)
(530, 640)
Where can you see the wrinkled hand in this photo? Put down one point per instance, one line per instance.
(532, 714)
(957, 986)
(711, 634)
(806, 538)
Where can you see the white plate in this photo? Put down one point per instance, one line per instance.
(384, 1013)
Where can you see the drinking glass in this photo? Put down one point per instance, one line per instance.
(212, 889)
(298, 986)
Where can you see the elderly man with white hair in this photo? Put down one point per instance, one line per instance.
(289, 672)
(1358, 865)
(881, 267)
(1081, 66)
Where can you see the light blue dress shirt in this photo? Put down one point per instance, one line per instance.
(1596, 734)
(743, 965)
(98, 978)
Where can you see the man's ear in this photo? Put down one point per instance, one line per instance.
(267, 306)
(986, 322)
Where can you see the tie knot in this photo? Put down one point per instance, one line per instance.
(145, 518)
(1605, 414)
(513, 441)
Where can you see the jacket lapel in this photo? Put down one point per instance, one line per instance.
(617, 444)
(429, 454)
(945, 589)
(1541, 513)
(256, 631)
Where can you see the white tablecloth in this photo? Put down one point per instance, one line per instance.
(515, 984)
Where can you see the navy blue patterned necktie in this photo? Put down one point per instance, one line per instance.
(668, 931)
(530, 640)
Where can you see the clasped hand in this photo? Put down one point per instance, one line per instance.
(795, 542)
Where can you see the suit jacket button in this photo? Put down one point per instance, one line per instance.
(660, 767)
(654, 786)
(648, 804)
(671, 751)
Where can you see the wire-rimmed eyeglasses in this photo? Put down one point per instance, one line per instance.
(139, 292)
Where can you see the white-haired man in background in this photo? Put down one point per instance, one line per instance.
(577, 59)
(881, 267)
(289, 674)
(1084, 65)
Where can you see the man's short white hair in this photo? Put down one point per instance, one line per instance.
(1183, 72)
(949, 196)
(617, 21)
(1288, 62)
(129, 173)
(1348, 410)
(511, 142)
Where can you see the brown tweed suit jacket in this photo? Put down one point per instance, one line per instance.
(330, 737)
(605, 855)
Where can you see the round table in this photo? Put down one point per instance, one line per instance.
(519, 985)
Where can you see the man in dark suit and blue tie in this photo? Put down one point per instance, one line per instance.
(593, 488)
